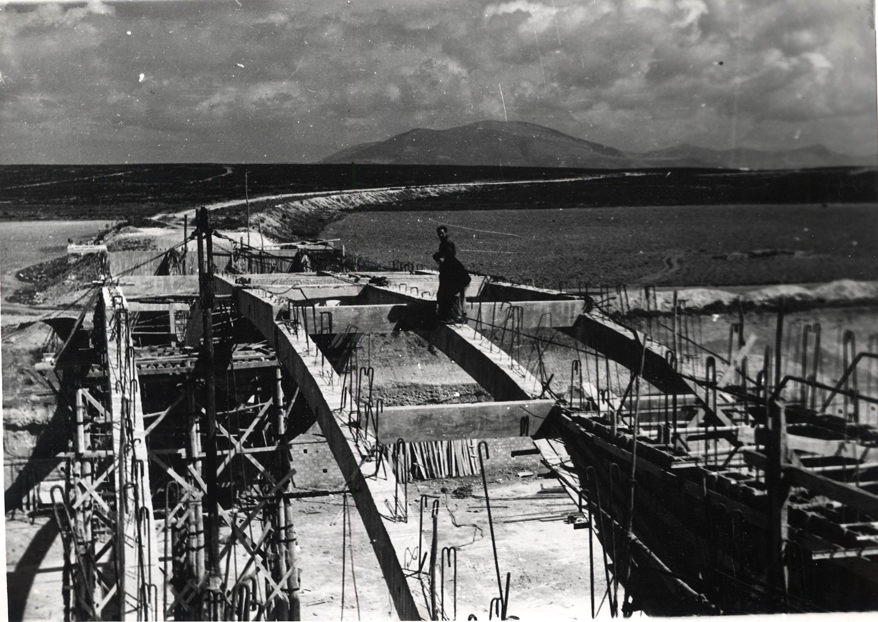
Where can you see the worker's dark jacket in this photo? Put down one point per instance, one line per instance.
(452, 274)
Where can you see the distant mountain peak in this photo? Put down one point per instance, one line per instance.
(522, 143)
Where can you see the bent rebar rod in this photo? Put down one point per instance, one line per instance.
(496, 604)
(490, 519)
(434, 545)
(422, 557)
(446, 559)
(399, 471)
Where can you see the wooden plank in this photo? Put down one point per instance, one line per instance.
(837, 491)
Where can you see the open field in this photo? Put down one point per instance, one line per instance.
(677, 227)
(137, 191)
(129, 191)
(669, 245)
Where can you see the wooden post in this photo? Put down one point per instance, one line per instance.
(676, 332)
(247, 200)
(280, 567)
(83, 517)
(205, 269)
(778, 344)
(778, 496)
(434, 546)
(195, 549)
(79, 441)
(185, 240)
(288, 536)
(117, 423)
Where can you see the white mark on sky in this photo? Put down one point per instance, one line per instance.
(142, 77)
(128, 33)
(543, 69)
(555, 17)
(295, 71)
(240, 65)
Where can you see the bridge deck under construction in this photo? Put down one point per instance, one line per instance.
(712, 489)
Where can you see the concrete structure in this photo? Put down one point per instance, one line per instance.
(233, 368)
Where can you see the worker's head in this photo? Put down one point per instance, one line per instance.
(442, 232)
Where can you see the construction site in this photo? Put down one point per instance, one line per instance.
(247, 440)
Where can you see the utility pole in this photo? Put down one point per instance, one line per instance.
(247, 200)
(185, 240)
(206, 289)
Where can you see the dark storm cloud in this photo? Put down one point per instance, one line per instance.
(277, 80)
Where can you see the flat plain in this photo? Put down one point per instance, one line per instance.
(719, 245)
(101, 192)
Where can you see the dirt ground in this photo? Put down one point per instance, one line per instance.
(547, 558)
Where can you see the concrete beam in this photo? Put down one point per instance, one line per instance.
(534, 314)
(444, 422)
(371, 318)
(625, 346)
(380, 295)
(137, 306)
(381, 309)
(148, 286)
(500, 375)
(134, 541)
(321, 388)
(297, 288)
(417, 283)
(520, 293)
(316, 294)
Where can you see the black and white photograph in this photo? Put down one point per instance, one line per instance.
(438, 310)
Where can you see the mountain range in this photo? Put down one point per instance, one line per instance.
(518, 143)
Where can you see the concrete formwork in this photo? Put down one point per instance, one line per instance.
(294, 313)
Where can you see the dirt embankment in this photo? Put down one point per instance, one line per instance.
(58, 281)
(285, 218)
(705, 300)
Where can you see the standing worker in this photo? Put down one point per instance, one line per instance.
(301, 262)
(453, 281)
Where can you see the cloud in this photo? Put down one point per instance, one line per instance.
(537, 17)
(283, 80)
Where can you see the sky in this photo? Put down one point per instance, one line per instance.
(293, 81)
